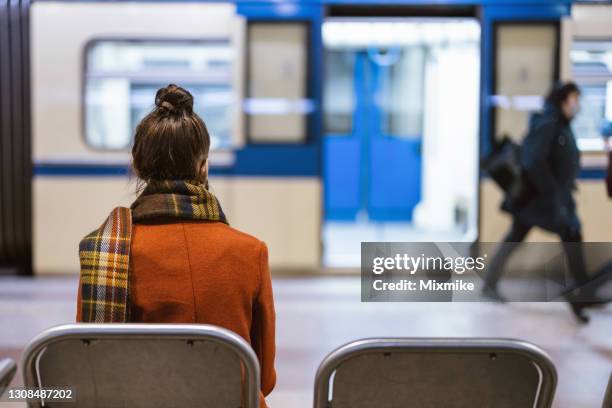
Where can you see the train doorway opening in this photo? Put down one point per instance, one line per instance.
(401, 113)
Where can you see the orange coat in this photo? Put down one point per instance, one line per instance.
(204, 272)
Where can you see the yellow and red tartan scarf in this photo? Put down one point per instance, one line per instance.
(105, 253)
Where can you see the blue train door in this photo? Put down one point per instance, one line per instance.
(372, 167)
(383, 145)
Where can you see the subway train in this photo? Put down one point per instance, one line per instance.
(333, 122)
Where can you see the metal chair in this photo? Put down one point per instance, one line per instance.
(7, 372)
(607, 402)
(431, 373)
(144, 365)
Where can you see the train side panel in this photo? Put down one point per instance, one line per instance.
(78, 184)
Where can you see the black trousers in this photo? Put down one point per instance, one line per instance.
(517, 233)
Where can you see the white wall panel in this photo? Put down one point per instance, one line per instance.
(277, 81)
(524, 72)
(65, 209)
(57, 59)
(283, 212)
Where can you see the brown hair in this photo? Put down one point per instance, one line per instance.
(171, 142)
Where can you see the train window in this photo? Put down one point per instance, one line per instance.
(592, 70)
(525, 68)
(339, 91)
(402, 89)
(277, 105)
(122, 76)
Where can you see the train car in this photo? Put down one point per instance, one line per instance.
(333, 122)
(579, 49)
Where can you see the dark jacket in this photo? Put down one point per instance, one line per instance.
(550, 160)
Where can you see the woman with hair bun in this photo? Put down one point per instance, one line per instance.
(172, 256)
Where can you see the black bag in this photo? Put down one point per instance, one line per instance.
(504, 166)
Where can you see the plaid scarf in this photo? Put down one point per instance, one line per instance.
(105, 253)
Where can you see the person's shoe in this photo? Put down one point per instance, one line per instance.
(578, 311)
(493, 294)
(590, 301)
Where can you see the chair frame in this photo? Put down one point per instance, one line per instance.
(456, 345)
(607, 401)
(197, 332)
(8, 368)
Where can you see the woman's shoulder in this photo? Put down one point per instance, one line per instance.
(118, 222)
(223, 233)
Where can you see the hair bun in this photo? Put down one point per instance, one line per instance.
(174, 99)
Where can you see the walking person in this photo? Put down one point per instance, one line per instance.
(550, 162)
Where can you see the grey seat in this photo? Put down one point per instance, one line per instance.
(142, 365)
(434, 373)
(7, 372)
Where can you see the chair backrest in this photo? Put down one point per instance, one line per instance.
(450, 373)
(144, 365)
(607, 402)
(7, 372)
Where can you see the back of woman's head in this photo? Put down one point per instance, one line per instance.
(171, 142)
(560, 92)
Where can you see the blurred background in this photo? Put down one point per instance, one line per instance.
(331, 124)
(332, 121)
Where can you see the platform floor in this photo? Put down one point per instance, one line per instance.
(342, 240)
(315, 315)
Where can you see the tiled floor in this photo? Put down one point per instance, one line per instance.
(315, 315)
